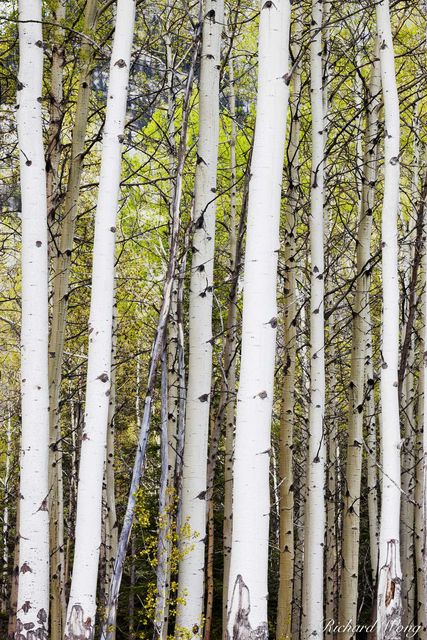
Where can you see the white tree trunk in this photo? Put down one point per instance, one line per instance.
(111, 536)
(408, 408)
(419, 491)
(33, 590)
(361, 332)
(167, 511)
(315, 505)
(164, 534)
(231, 338)
(371, 463)
(194, 472)
(423, 596)
(301, 477)
(368, 194)
(248, 590)
(82, 603)
(390, 575)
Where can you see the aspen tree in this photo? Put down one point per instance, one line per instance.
(419, 488)
(421, 520)
(167, 506)
(314, 526)
(408, 487)
(111, 533)
(423, 596)
(300, 478)
(360, 330)
(408, 410)
(82, 602)
(230, 390)
(61, 266)
(286, 493)
(163, 546)
(226, 407)
(33, 588)
(56, 498)
(419, 497)
(368, 195)
(371, 444)
(333, 541)
(390, 576)
(332, 514)
(247, 591)
(194, 477)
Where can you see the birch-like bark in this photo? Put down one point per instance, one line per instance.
(315, 505)
(300, 477)
(230, 351)
(419, 488)
(286, 491)
(111, 538)
(247, 595)
(227, 403)
(82, 602)
(424, 444)
(372, 458)
(408, 410)
(194, 471)
(163, 544)
(33, 589)
(408, 487)
(215, 430)
(76, 430)
(332, 563)
(389, 580)
(333, 540)
(360, 331)
(368, 193)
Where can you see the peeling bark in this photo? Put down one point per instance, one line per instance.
(389, 587)
(239, 627)
(389, 595)
(79, 627)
